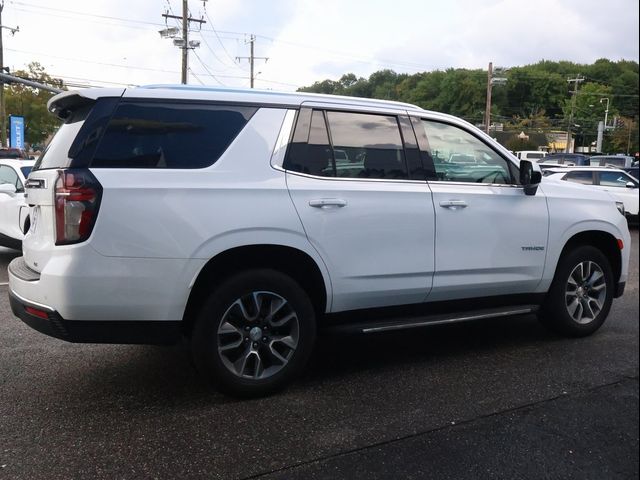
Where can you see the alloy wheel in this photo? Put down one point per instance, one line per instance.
(258, 335)
(585, 292)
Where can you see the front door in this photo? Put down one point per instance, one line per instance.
(491, 238)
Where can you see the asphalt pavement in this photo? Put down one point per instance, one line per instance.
(501, 398)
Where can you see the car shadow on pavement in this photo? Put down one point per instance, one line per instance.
(338, 355)
(146, 376)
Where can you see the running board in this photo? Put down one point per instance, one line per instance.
(388, 325)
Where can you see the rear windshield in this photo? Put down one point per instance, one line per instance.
(56, 154)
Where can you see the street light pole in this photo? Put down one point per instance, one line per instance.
(606, 111)
(602, 127)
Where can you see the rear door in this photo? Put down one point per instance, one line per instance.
(366, 209)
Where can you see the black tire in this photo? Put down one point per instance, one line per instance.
(556, 310)
(224, 321)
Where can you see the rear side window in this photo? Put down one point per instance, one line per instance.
(171, 135)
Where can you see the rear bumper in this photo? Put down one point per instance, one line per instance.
(48, 321)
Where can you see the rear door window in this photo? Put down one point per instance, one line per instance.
(169, 135)
(347, 145)
(370, 145)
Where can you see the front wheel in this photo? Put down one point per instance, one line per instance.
(254, 333)
(581, 294)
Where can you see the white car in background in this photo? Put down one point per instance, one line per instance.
(622, 186)
(13, 210)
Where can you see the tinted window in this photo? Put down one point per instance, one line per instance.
(614, 179)
(151, 135)
(25, 171)
(458, 156)
(368, 146)
(359, 146)
(586, 178)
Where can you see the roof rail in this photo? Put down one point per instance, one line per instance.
(256, 91)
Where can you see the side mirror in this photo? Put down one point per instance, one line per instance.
(530, 177)
(631, 185)
(8, 188)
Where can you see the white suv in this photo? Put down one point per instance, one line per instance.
(226, 218)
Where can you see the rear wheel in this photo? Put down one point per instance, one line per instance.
(254, 333)
(581, 294)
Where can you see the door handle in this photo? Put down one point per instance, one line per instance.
(453, 204)
(328, 202)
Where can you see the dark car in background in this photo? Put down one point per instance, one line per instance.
(14, 154)
(618, 161)
(569, 159)
(633, 171)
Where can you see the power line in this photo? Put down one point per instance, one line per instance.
(86, 14)
(218, 37)
(207, 69)
(196, 77)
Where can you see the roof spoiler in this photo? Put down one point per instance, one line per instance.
(63, 104)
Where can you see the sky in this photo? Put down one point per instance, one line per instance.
(116, 43)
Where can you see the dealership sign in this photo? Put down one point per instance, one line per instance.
(17, 131)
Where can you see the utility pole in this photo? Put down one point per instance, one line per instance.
(252, 58)
(184, 43)
(185, 39)
(575, 82)
(498, 79)
(487, 111)
(3, 114)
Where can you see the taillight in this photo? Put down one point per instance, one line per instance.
(77, 198)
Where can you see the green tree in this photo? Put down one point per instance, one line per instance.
(535, 97)
(589, 111)
(31, 103)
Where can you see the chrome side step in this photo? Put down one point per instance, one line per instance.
(438, 319)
